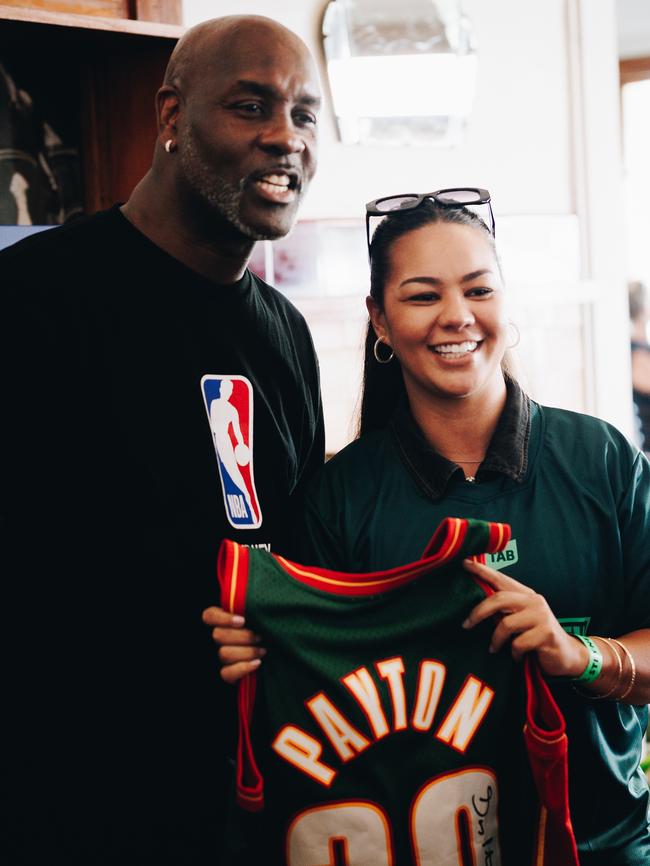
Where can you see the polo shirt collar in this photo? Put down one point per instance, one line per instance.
(507, 453)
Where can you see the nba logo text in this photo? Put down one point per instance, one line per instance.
(229, 404)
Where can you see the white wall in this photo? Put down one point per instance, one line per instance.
(519, 132)
(544, 139)
(633, 18)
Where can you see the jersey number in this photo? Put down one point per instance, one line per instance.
(453, 820)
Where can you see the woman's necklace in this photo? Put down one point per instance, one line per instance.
(470, 478)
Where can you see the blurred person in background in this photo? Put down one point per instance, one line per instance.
(639, 319)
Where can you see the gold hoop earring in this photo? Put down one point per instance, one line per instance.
(375, 351)
(512, 325)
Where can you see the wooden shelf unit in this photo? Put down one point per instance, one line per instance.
(95, 78)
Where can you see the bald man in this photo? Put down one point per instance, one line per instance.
(157, 398)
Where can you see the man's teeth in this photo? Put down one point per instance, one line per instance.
(455, 348)
(276, 180)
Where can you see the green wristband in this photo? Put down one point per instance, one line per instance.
(595, 663)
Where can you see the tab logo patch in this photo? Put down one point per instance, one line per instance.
(504, 558)
(229, 404)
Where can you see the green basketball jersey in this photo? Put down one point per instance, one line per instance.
(378, 731)
(580, 519)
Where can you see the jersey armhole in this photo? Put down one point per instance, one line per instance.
(232, 572)
(547, 746)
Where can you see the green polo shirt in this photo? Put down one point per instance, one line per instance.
(577, 496)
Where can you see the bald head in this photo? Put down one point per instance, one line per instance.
(238, 125)
(222, 38)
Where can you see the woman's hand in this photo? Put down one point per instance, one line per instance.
(239, 648)
(527, 622)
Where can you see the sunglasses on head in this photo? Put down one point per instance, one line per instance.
(453, 197)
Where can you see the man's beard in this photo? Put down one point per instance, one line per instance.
(222, 195)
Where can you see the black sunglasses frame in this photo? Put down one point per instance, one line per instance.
(482, 197)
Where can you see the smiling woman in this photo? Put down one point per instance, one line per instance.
(443, 314)
(445, 411)
(440, 410)
(437, 298)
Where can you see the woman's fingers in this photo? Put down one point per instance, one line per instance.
(231, 674)
(496, 579)
(525, 622)
(522, 629)
(500, 603)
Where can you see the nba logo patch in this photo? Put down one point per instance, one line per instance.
(229, 404)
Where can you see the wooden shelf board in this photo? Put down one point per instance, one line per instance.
(634, 69)
(88, 22)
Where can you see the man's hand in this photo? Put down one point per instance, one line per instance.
(239, 648)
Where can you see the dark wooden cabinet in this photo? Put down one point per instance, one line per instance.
(94, 78)
(160, 11)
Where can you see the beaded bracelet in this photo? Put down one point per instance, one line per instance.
(629, 657)
(595, 663)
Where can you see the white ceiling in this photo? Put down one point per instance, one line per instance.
(633, 28)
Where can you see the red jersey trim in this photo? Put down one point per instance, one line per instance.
(499, 536)
(444, 546)
(249, 780)
(232, 571)
(547, 747)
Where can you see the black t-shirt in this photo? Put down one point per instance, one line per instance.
(113, 505)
